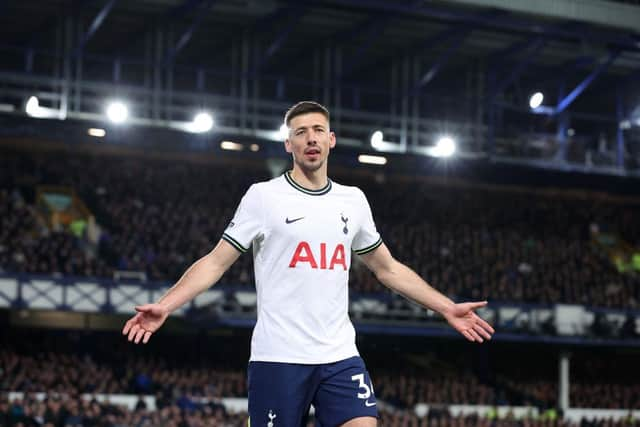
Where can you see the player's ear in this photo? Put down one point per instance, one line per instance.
(287, 145)
(332, 139)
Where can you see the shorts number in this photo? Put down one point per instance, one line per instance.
(367, 388)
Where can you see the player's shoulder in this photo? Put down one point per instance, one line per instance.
(350, 190)
(265, 185)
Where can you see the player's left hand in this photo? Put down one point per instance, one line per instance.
(463, 319)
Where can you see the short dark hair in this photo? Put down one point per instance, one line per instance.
(305, 107)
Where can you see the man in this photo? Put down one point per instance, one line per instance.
(303, 227)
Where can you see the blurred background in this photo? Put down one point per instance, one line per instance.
(498, 143)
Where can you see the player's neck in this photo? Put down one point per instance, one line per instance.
(313, 180)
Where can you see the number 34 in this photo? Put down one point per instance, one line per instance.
(368, 389)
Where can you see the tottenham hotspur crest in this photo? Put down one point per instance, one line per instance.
(345, 230)
(271, 417)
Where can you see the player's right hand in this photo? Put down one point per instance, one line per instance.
(148, 320)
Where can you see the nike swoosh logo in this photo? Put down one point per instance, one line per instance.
(366, 402)
(289, 221)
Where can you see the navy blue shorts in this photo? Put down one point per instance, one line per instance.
(280, 394)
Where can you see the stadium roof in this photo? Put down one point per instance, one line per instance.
(457, 60)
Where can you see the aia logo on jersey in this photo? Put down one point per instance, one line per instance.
(303, 253)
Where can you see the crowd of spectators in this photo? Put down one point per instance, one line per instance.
(173, 368)
(68, 410)
(27, 244)
(603, 383)
(504, 245)
(184, 371)
(408, 387)
(442, 418)
(158, 216)
(72, 373)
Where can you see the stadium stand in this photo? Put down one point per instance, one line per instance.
(472, 242)
(186, 370)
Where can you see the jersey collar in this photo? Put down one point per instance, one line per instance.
(320, 192)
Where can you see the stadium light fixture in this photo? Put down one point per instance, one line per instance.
(34, 109)
(372, 160)
(377, 138)
(202, 122)
(254, 147)
(33, 106)
(536, 100)
(117, 112)
(229, 145)
(445, 147)
(97, 132)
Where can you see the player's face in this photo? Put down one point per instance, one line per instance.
(310, 140)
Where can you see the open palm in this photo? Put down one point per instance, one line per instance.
(464, 320)
(148, 320)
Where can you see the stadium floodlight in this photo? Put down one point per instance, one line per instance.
(536, 100)
(284, 131)
(202, 122)
(377, 138)
(33, 106)
(97, 132)
(34, 109)
(117, 112)
(230, 145)
(445, 147)
(254, 147)
(372, 160)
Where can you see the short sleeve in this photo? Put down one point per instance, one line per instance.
(247, 221)
(367, 237)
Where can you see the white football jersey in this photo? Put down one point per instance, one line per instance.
(302, 242)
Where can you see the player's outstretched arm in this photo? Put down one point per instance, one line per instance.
(405, 281)
(202, 274)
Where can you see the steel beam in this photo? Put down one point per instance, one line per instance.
(28, 60)
(372, 30)
(185, 38)
(491, 111)
(95, 25)
(620, 114)
(369, 27)
(48, 24)
(563, 127)
(509, 22)
(535, 46)
(541, 76)
(440, 37)
(442, 60)
(295, 15)
(443, 36)
(173, 13)
(513, 48)
(348, 34)
(262, 25)
(563, 104)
